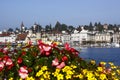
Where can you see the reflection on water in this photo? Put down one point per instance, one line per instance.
(101, 54)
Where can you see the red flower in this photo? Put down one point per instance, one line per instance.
(29, 70)
(5, 59)
(1, 49)
(23, 53)
(5, 50)
(0, 59)
(1, 65)
(10, 66)
(19, 61)
(64, 58)
(23, 72)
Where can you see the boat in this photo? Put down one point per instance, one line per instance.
(115, 45)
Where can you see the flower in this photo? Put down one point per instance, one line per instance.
(50, 62)
(68, 48)
(1, 65)
(61, 65)
(44, 48)
(19, 61)
(23, 72)
(55, 62)
(64, 58)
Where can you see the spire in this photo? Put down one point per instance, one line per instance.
(22, 25)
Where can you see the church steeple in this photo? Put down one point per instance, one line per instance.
(22, 27)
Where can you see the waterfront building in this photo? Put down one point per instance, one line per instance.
(83, 35)
(7, 37)
(103, 37)
(66, 37)
(116, 38)
(75, 38)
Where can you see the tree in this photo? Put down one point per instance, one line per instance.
(10, 30)
(90, 27)
(57, 26)
(70, 28)
(63, 27)
(99, 27)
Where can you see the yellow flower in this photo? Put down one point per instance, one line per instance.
(96, 74)
(80, 76)
(118, 71)
(113, 73)
(11, 78)
(93, 62)
(103, 63)
(39, 73)
(113, 67)
(44, 68)
(68, 76)
(60, 77)
(66, 68)
(102, 76)
(99, 69)
(30, 78)
(56, 72)
(42, 79)
(84, 71)
(89, 74)
(111, 64)
(73, 66)
(46, 75)
(69, 72)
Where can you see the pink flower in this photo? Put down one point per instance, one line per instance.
(23, 72)
(5, 50)
(74, 51)
(55, 62)
(1, 65)
(9, 62)
(61, 65)
(67, 46)
(44, 48)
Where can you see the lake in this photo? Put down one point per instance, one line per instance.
(102, 54)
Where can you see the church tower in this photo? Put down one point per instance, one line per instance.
(22, 27)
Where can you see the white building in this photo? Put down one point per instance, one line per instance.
(65, 37)
(83, 35)
(77, 37)
(7, 37)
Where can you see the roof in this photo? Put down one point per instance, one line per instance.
(21, 36)
(3, 34)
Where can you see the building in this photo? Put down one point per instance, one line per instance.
(65, 37)
(7, 37)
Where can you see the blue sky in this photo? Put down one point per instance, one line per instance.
(70, 12)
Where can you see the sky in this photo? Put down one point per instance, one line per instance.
(70, 12)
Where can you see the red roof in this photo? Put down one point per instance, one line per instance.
(4, 34)
(21, 36)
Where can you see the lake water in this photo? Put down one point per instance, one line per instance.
(102, 54)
